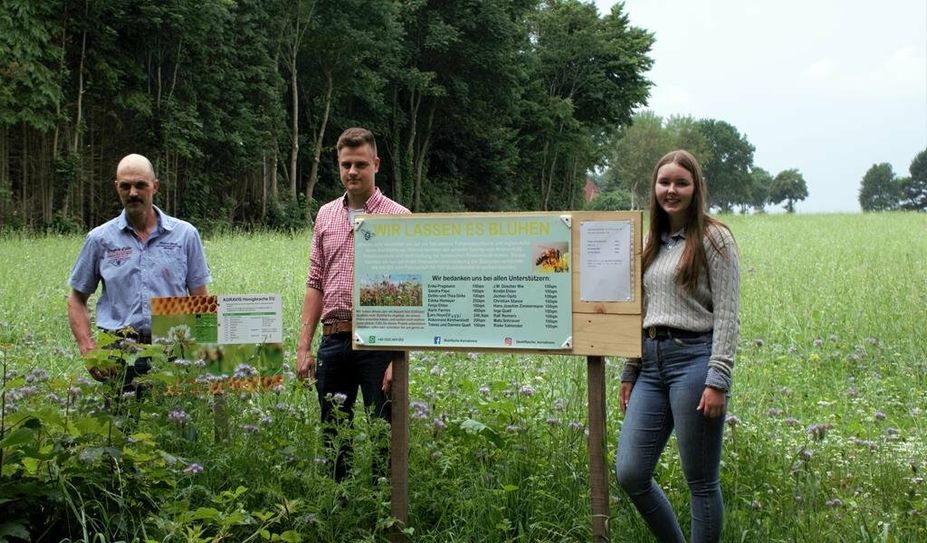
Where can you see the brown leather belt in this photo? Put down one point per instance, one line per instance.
(337, 327)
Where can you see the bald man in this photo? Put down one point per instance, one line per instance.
(141, 254)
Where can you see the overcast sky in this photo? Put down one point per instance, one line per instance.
(830, 87)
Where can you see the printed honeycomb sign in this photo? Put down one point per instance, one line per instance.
(180, 305)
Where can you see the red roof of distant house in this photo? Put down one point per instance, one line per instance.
(590, 191)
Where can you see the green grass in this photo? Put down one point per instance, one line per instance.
(834, 334)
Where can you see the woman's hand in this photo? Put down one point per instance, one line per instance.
(626, 387)
(712, 403)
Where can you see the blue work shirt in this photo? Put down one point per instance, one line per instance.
(170, 262)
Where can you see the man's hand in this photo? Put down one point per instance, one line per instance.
(388, 379)
(86, 345)
(305, 365)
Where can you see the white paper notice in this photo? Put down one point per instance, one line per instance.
(605, 261)
(250, 318)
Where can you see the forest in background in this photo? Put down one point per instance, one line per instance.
(480, 105)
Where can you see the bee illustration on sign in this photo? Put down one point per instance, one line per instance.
(552, 257)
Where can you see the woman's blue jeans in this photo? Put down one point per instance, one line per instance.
(665, 396)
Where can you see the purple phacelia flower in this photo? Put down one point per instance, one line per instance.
(244, 371)
(178, 416)
(420, 410)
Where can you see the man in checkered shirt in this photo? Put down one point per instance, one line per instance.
(339, 369)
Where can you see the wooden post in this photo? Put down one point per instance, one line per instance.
(598, 472)
(399, 449)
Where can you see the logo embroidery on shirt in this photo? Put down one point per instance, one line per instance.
(118, 256)
(169, 245)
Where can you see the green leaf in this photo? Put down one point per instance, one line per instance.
(14, 529)
(472, 426)
(263, 516)
(19, 437)
(91, 454)
(90, 425)
(291, 537)
(206, 513)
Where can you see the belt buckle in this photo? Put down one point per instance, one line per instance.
(652, 332)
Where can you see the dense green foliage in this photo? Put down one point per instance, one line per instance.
(825, 438)
(479, 105)
(725, 154)
(914, 188)
(880, 189)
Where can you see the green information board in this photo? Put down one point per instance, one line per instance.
(469, 282)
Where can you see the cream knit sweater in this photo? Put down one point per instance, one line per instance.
(711, 307)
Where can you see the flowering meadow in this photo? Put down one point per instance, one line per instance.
(825, 437)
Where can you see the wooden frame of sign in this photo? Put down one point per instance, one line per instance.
(599, 329)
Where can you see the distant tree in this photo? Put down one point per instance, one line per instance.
(880, 190)
(613, 200)
(761, 183)
(789, 186)
(638, 148)
(727, 171)
(914, 188)
(686, 134)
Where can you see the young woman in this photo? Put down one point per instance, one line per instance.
(691, 297)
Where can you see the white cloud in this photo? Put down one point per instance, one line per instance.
(821, 70)
(899, 74)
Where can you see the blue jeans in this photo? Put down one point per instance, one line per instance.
(342, 370)
(666, 395)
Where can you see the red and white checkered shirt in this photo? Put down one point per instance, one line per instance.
(331, 261)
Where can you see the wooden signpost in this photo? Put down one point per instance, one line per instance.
(553, 283)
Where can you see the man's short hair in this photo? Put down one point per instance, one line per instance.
(356, 137)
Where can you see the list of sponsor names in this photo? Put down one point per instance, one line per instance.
(487, 302)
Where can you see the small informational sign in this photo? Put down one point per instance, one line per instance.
(237, 335)
(250, 318)
(605, 262)
(494, 281)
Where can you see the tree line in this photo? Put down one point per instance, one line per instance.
(726, 156)
(882, 190)
(483, 105)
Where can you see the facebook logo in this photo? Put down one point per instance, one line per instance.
(437, 340)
